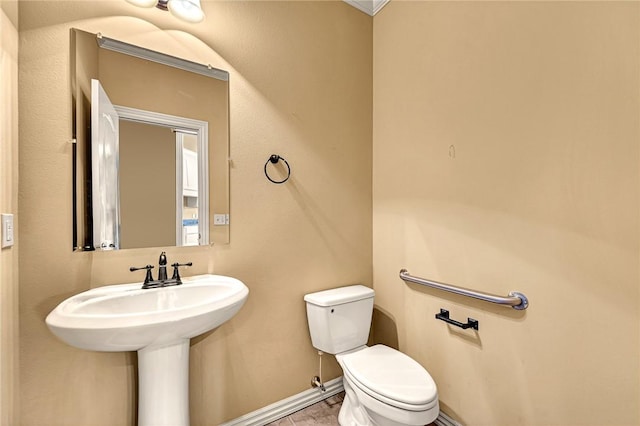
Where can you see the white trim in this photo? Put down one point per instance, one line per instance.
(179, 188)
(287, 406)
(203, 186)
(444, 420)
(160, 119)
(378, 5)
(370, 7)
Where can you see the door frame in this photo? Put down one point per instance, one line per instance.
(187, 125)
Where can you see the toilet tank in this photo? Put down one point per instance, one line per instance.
(340, 318)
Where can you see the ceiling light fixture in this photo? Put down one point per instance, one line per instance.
(187, 10)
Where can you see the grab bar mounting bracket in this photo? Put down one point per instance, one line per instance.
(444, 316)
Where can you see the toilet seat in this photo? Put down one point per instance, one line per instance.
(391, 377)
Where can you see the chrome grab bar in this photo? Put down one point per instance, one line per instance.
(516, 300)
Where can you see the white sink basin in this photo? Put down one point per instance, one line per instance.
(126, 318)
(157, 323)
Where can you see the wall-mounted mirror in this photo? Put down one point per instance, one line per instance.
(152, 146)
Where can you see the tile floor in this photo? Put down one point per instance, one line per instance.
(321, 413)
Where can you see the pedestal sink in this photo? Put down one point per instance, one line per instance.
(157, 323)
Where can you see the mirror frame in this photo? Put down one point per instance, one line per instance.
(160, 58)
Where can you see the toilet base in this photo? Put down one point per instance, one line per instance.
(353, 413)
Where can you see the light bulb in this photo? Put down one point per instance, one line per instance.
(188, 10)
(143, 3)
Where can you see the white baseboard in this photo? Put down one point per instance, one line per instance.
(294, 403)
(444, 420)
(287, 406)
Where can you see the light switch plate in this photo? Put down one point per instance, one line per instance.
(7, 229)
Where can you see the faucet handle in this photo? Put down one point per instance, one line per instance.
(176, 273)
(149, 277)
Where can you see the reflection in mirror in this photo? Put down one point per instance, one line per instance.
(151, 153)
(163, 169)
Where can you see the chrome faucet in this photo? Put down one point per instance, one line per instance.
(162, 280)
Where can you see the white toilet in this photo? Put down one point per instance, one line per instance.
(383, 387)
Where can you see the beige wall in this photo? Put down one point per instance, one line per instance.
(506, 158)
(9, 204)
(300, 87)
(147, 185)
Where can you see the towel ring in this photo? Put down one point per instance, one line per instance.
(274, 160)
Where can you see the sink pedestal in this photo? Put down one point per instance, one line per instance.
(158, 323)
(163, 385)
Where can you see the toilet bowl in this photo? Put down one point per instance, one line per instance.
(383, 387)
(392, 388)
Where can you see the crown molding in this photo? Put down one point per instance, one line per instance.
(370, 7)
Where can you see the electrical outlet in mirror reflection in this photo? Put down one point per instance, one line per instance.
(220, 219)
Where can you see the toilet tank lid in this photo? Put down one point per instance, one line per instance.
(338, 296)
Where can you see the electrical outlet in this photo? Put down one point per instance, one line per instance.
(220, 219)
